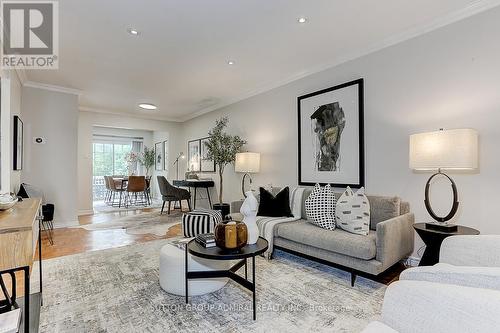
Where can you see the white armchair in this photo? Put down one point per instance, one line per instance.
(459, 294)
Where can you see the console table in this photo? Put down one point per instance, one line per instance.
(19, 233)
(195, 184)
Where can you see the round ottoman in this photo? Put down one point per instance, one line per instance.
(172, 272)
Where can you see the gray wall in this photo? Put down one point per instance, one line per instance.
(52, 166)
(448, 78)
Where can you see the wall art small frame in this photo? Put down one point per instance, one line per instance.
(18, 144)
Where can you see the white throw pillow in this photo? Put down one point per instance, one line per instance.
(320, 207)
(353, 212)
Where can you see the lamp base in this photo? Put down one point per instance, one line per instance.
(441, 227)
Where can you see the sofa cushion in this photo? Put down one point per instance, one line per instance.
(274, 206)
(339, 241)
(383, 209)
(320, 207)
(353, 212)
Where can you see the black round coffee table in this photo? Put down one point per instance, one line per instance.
(433, 240)
(216, 253)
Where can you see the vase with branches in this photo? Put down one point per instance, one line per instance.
(147, 159)
(222, 148)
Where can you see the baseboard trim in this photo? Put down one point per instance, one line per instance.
(85, 212)
(67, 224)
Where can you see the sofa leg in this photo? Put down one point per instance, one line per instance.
(353, 278)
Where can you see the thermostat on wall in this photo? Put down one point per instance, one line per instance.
(39, 140)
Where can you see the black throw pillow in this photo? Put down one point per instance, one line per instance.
(275, 206)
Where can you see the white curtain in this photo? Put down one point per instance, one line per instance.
(137, 148)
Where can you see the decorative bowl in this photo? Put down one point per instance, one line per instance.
(7, 201)
(231, 236)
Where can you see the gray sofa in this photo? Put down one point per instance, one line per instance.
(390, 240)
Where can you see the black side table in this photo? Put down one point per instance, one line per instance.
(433, 240)
(215, 253)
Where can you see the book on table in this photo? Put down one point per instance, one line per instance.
(206, 240)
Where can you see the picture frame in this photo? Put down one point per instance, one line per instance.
(206, 165)
(165, 155)
(331, 136)
(159, 156)
(193, 157)
(18, 132)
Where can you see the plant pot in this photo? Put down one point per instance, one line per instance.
(224, 208)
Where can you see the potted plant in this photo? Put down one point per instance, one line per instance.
(222, 149)
(147, 159)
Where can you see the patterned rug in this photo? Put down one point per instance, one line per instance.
(140, 224)
(117, 290)
(101, 207)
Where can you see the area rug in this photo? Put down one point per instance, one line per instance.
(140, 224)
(117, 290)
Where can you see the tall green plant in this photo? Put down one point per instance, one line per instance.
(222, 148)
(147, 159)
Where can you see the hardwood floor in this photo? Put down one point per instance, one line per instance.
(69, 241)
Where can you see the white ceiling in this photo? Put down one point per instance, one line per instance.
(179, 61)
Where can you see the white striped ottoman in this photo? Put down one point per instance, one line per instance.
(200, 221)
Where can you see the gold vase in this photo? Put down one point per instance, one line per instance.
(231, 236)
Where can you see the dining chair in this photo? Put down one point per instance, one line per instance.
(137, 187)
(115, 188)
(171, 193)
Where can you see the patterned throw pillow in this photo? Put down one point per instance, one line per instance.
(320, 207)
(353, 212)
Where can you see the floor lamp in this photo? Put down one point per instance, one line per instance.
(176, 163)
(450, 150)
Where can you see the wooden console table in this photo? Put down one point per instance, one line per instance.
(19, 234)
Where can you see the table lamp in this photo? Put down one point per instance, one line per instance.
(450, 150)
(247, 163)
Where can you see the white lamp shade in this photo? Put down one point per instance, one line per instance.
(446, 149)
(247, 162)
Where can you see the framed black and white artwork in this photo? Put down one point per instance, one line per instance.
(194, 151)
(207, 165)
(331, 138)
(158, 156)
(165, 155)
(18, 144)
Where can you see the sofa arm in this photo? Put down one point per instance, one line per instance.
(482, 250)
(236, 206)
(395, 239)
(476, 277)
(415, 306)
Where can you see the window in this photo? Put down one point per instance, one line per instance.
(108, 160)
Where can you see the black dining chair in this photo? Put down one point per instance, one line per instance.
(171, 193)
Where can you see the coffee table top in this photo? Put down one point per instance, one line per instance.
(461, 230)
(217, 253)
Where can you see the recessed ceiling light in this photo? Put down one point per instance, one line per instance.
(148, 106)
(302, 19)
(133, 32)
(230, 62)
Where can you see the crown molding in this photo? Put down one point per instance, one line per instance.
(472, 9)
(128, 114)
(21, 74)
(61, 89)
